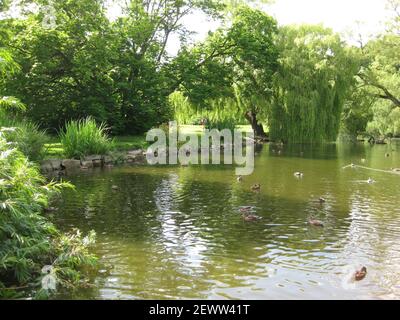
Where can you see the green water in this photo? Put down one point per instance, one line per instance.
(176, 232)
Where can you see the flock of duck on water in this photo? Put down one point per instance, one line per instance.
(249, 217)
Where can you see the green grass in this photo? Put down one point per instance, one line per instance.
(125, 143)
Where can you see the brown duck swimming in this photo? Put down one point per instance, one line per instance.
(245, 209)
(316, 223)
(360, 274)
(250, 217)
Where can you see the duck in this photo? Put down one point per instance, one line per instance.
(250, 217)
(370, 181)
(316, 223)
(299, 174)
(360, 274)
(239, 179)
(256, 187)
(246, 209)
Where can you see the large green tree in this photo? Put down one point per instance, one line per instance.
(380, 78)
(234, 66)
(84, 64)
(315, 78)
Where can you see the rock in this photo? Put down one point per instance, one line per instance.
(108, 160)
(135, 152)
(46, 167)
(71, 164)
(93, 157)
(97, 163)
(87, 164)
(50, 165)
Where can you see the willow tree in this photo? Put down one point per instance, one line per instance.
(315, 77)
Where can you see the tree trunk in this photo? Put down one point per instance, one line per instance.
(258, 129)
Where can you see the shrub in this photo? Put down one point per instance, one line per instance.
(28, 138)
(28, 241)
(85, 137)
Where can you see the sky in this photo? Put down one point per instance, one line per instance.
(340, 15)
(363, 17)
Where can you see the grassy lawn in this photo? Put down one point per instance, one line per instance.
(54, 148)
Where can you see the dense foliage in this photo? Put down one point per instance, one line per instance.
(31, 248)
(315, 77)
(28, 241)
(87, 65)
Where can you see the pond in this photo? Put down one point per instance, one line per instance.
(177, 232)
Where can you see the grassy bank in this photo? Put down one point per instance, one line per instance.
(54, 148)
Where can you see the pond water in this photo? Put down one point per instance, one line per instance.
(176, 232)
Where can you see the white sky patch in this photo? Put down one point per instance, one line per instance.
(365, 17)
(348, 17)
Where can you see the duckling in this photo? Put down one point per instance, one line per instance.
(316, 223)
(360, 274)
(239, 179)
(299, 174)
(250, 218)
(256, 187)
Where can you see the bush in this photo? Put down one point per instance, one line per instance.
(85, 137)
(28, 241)
(28, 138)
